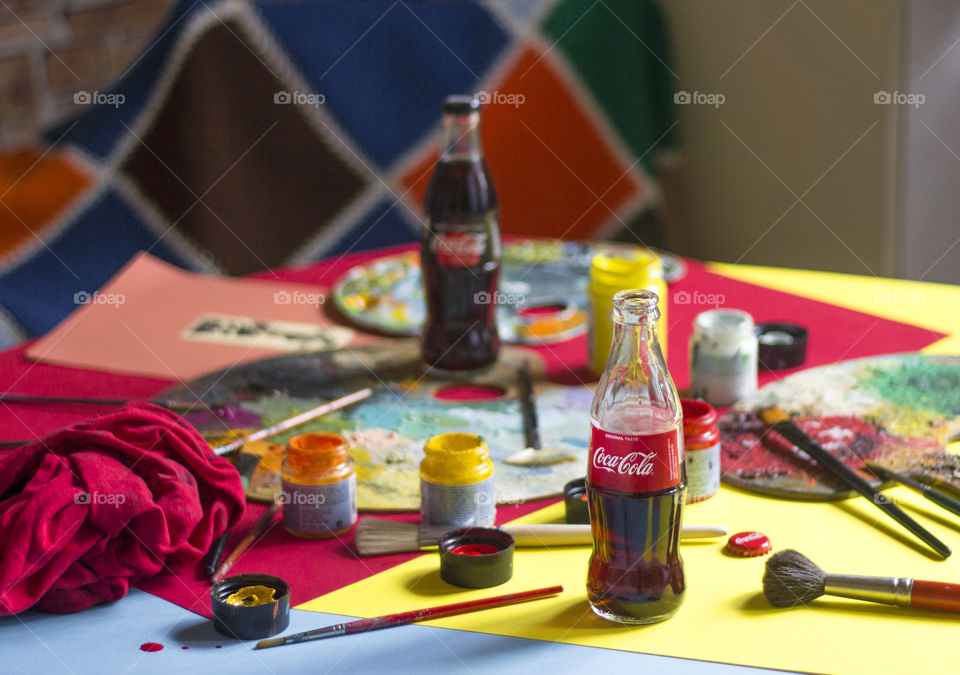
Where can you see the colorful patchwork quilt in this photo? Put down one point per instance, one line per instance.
(252, 135)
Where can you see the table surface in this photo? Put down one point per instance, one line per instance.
(106, 638)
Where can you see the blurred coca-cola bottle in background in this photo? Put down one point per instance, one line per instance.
(460, 249)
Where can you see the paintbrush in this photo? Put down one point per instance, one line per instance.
(178, 406)
(258, 530)
(246, 465)
(414, 616)
(294, 421)
(780, 422)
(792, 579)
(376, 536)
(534, 454)
(935, 496)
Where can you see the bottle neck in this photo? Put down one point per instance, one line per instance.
(460, 139)
(636, 342)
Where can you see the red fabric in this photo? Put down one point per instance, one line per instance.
(90, 510)
(317, 567)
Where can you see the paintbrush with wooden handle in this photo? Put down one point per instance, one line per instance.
(376, 536)
(791, 579)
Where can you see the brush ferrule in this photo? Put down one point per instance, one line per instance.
(887, 590)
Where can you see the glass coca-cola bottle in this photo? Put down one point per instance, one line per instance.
(460, 249)
(636, 479)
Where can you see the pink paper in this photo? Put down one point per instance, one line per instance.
(161, 321)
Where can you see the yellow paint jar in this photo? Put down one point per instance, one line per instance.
(319, 486)
(456, 482)
(613, 270)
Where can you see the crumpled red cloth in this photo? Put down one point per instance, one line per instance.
(88, 511)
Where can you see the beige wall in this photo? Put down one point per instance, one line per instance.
(799, 81)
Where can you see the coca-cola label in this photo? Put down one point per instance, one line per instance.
(641, 463)
(459, 249)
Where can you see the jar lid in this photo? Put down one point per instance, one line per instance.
(697, 413)
(454, 443)
(318, 443)
(781, 345)
(724, 324)
(749, 544)
(575, 502)
(250, 622)
(476, 557)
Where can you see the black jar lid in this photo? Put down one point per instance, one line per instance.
(781, 345)
(574, 494)
(476, 557)
(246, 622)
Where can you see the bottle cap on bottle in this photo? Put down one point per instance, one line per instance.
(460, 104)
(749, 544)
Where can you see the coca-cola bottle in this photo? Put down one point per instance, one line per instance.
(460, 249)
(636, 479)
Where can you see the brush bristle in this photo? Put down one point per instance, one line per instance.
(376, 536)
(270, 642)
(792, 579)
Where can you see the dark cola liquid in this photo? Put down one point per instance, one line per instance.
(460, 262)
(635, 573)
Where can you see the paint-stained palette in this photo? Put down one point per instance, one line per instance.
(387, 295)
(387, 431)
(899, 410)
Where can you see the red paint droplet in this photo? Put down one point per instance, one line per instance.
(151, 647)
(184, 647)
(475, 549)
(219, 646)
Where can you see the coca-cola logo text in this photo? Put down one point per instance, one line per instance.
(635, 462)
(459, 249)
(632, 464)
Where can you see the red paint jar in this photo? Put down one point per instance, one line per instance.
(701, 441)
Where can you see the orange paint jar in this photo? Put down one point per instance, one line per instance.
(319, 486)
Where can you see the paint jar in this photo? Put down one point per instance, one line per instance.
(723, 356)
(611, 271)
(456, 482)
(319, 486)
(701, 443)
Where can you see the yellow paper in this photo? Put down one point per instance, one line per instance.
(725, 616)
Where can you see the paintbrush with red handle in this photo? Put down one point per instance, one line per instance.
(792, 579)
(403, 618)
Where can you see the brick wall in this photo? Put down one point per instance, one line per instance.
(52, 49)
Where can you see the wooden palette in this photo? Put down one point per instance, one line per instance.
(899, 410)
(387, 431)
